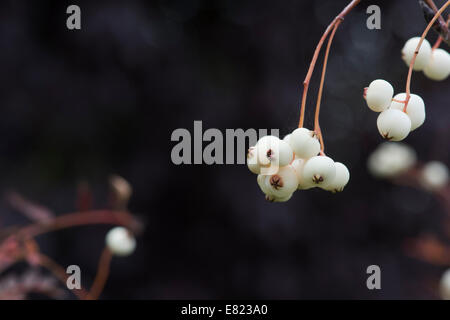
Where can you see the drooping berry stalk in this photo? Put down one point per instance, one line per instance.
(413, 60)
(60, 273)
(330, 27)
(322, 80)
(101, 276)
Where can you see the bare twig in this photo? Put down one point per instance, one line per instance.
(101, 276)
(440, 26)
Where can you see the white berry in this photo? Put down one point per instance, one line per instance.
(303, 184)
(379, 95)
(283, 183)
(277, 199)
(415, 108)
(261, 180)
(434, 175)
(444, 285)
(320, 170)
(287, 138)
(422, 58)
(304, 143)
(340, 179)
(438, 68)
(393, 124)
(252, 160)
(120, 241)
(391, 159)
(274, 152)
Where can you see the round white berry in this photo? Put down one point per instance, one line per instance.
(438, 68)
(340, 179)
(120, 241)
(320, 170)
(303, 184)
(391, 159)
(261, 180)
(422, 58)
(415, 109)
(283, 183)
(287, 138)
(393, 124)
(252, 160)
(444, 285)
(274, 152)
(379, 95)
(434, 175)
(304, 143)
(271, 198)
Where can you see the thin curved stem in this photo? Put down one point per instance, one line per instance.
(101, 276)
(78, 219)
(339, 17)
(317, 129)
(413, 60)
(59, 273)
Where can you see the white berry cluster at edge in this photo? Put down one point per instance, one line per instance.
(435, 63)
(293, 163)
(394, 124)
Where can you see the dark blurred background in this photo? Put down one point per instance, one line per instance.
(81, 105)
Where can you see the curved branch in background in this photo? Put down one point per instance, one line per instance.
(101, 276)
(440, 26)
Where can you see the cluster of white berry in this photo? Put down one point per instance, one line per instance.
(392, 159)
(394, 123)
(120, 241)
(434, 62)
(283, 166)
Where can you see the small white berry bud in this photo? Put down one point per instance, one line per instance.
(379, 95)
(393, 124)
(252, 160)
(283, 183)
(320, 170)
(261, 180)
(340, 179)
(422, 58)
(120, 241)
(415, 108)
(391, 159)
(434, 175)
(438, 68)
(304, 143)
(444, 285)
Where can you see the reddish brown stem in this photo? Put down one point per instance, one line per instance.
(413, 60)
(339, 17)
(59, 273)
(79, 219)
(101, 276)
(322, 80)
